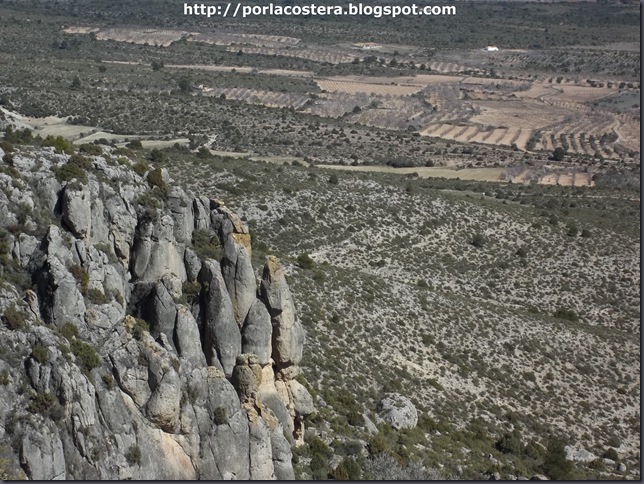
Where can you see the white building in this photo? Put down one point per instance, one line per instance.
(491, 48)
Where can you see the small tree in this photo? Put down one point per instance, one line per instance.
(305, 261)
(555, 465)
(558, 154)
(184, 85)
(478, 240)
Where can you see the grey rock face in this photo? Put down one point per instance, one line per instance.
(239, 277)
(62, 301)
(156, 252)
(288, 334)
(222, 339)
(187, 339)
(170, 396)
(77, 211)
(161, 312)
(257, 332)
(261, 449)
(193, 264)
(397, 411)
(302, 400)
(164, 405)
(247, 376)
(282, 454)
(42, 455)
(180, 207)
(24, 247)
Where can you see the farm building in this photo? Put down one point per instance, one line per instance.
(367, 45)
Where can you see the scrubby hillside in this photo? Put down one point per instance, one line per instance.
(503, 311)
(137, 342)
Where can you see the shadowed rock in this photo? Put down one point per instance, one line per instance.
(222, 339)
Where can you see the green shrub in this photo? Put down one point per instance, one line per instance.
(157, 156)
(190, 291)
(477, 240)
(91, 149)
(573, 230)
(204, 153)
(155, 178)
(86, 357)
(140, 326)
(220, 416)
(134, 145)
(555, 465)
(347, 470)
(70, 171)
(305, 261)
(377, 444)
(108, 380)
(535, 450)
(69, 331)
(510, 443)
(611, 453)
(140, 168)
(206, 245)
(4, 377)
(81, 276)
(40, 354)
(60, 144)
(333, 179)
(96, 296)
(319, 467)
(13, 318)
(355, 418)
(6, 146)
(567, 314)
(41, 403)
(133, 455)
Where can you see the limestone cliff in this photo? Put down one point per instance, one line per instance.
(137, 341)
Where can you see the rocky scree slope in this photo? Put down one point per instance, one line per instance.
(138, 342)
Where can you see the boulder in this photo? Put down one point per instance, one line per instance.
(579, 454)
(398, 411)
(77, 211)
(302, 400)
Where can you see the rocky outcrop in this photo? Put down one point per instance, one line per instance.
(397, 411)
(288, 334)
(115, 373)
(222, 339)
